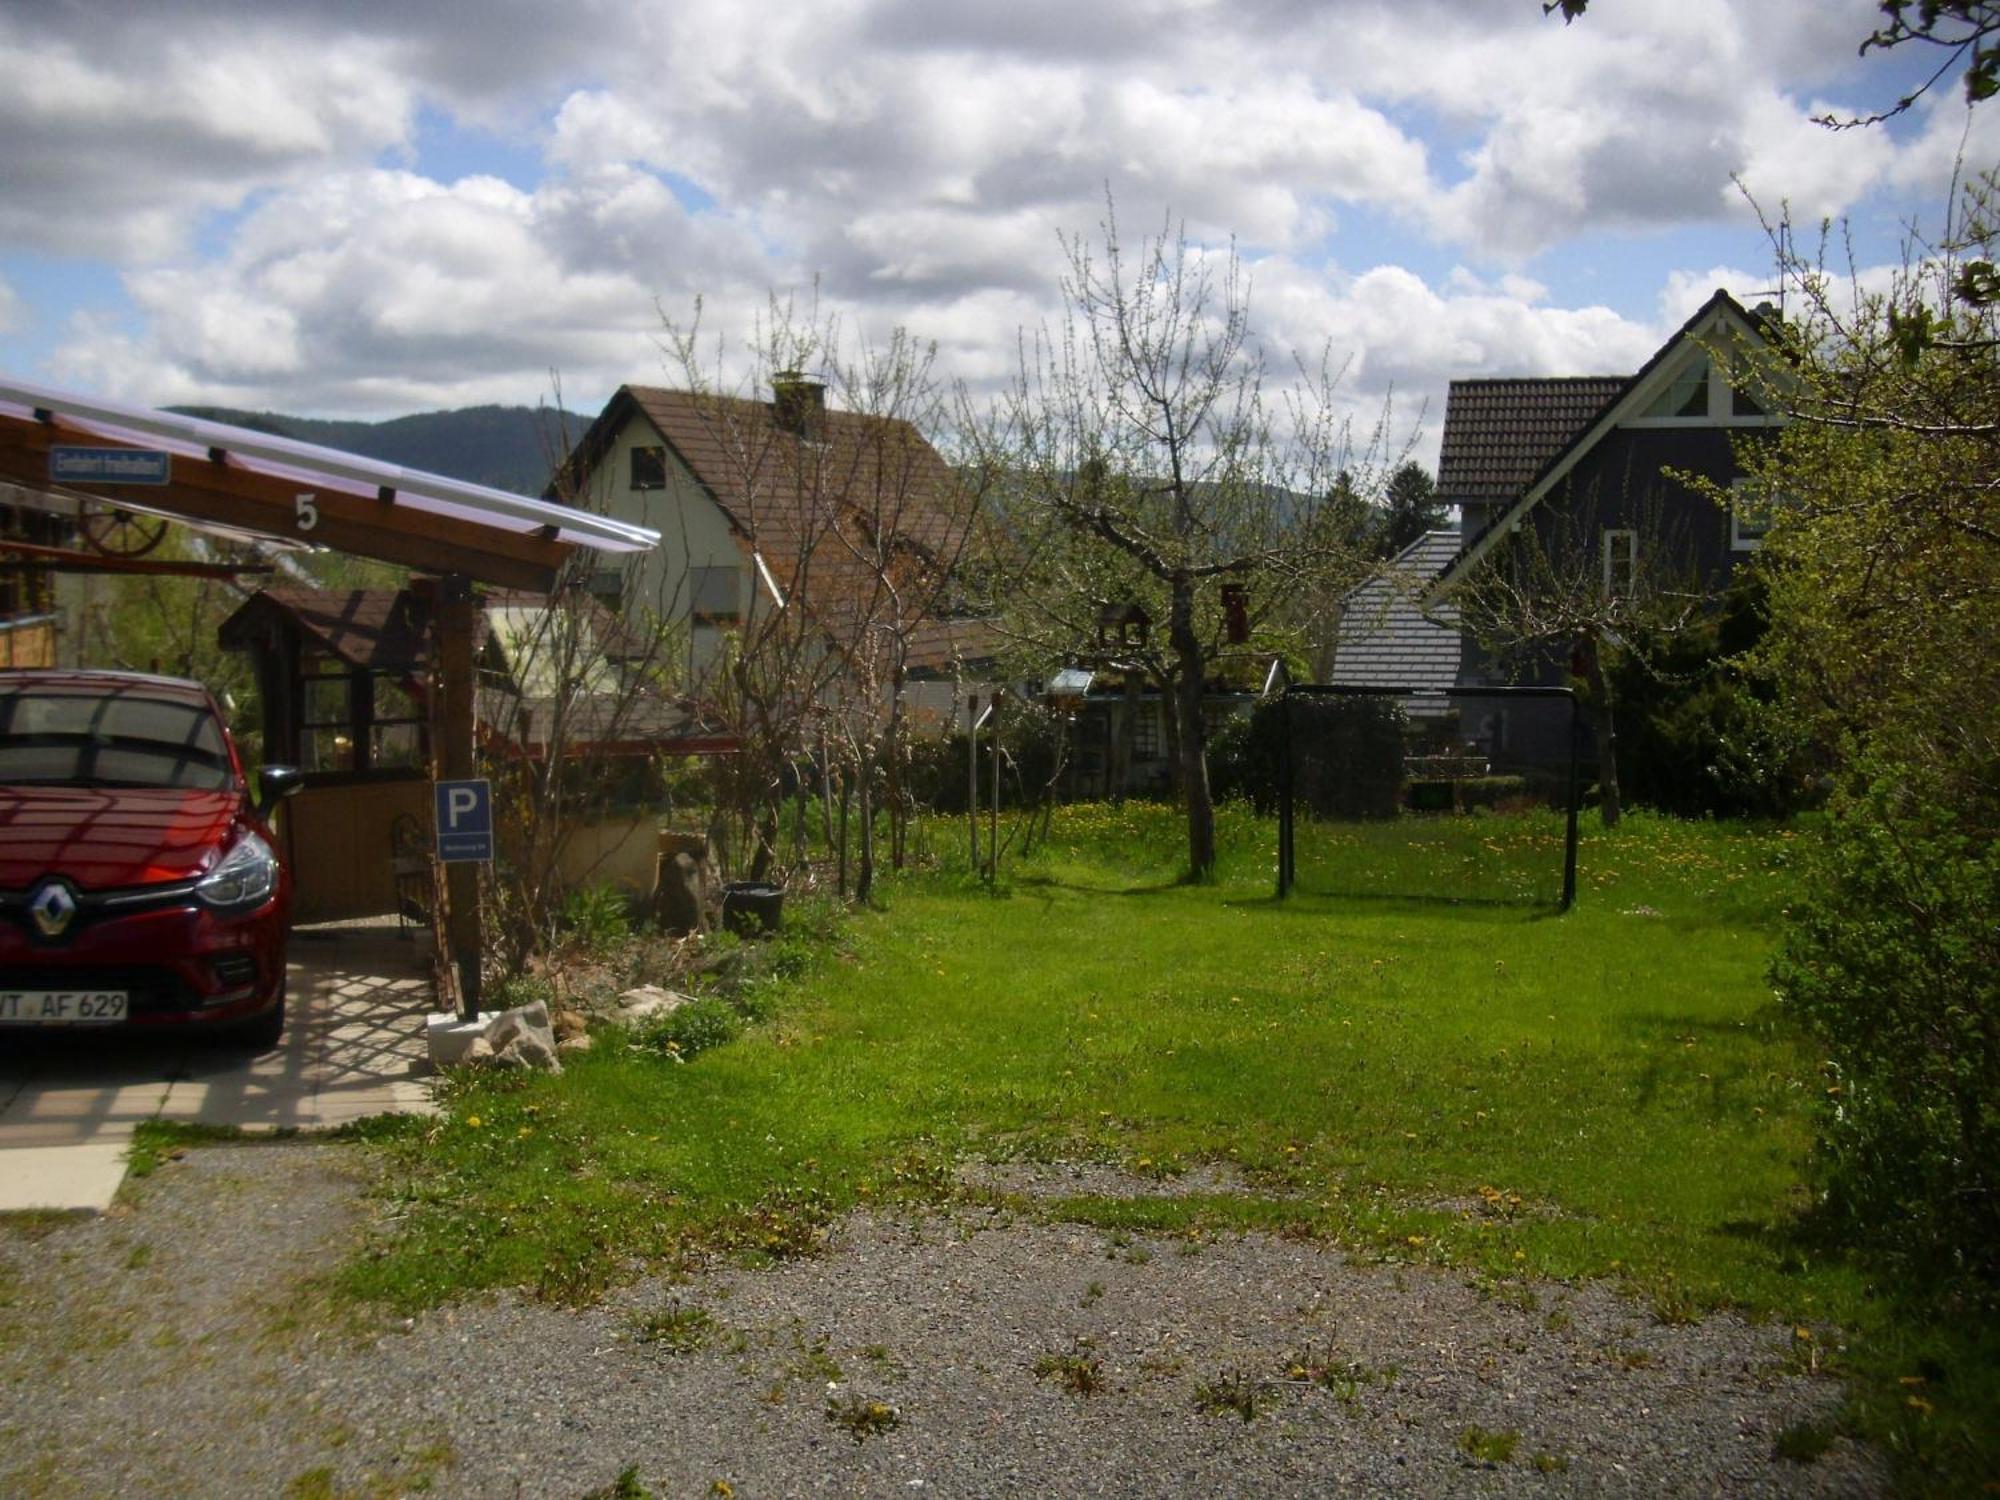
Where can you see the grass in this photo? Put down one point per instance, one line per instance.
(1482, 1083)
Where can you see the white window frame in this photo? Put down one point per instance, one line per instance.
(1740, 540)
(1613, 536)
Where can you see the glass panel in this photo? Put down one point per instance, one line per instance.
(117, 737)
(713, 593)
(1687, 396)
(394, 745)
(324, 700)
(649, 468)
(392, 703)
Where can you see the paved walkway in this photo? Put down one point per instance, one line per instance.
(354, 1046)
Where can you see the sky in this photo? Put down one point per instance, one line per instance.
(371, 207)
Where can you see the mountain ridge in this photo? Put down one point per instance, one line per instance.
(512, 448)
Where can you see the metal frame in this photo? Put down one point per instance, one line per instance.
(1287, 822)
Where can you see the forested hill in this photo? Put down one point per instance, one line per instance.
(508, 447)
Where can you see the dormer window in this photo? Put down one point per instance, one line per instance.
(649, 468)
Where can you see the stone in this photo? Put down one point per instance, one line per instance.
(569, 1024)
(686, 895)
(573, 1044)
(451, 1040)
(523, 1038)
(648, 1000)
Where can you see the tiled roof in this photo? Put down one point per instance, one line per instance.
(1500, 434)
(818, 510)
(937, 646)
(1385, 639)
(388, 630)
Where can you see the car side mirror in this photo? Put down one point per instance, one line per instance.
(275, 784)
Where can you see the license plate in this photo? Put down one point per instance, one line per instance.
(61, 1007)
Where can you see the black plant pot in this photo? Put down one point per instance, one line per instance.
(750, 907)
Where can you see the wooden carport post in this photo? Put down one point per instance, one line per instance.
(464, 940)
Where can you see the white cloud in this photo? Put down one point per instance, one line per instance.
(118, 144)
(378, 289)
(913, 158)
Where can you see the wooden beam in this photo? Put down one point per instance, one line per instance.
(69, 560)
(464, 938)
(276, 507)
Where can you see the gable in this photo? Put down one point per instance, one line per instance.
(1662, 394)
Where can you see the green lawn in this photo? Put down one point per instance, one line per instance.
(1610, 1092)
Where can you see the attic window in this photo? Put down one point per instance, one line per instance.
(1687, 396)
(649, 468)
(1743, 404)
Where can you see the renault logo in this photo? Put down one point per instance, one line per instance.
(53, 908)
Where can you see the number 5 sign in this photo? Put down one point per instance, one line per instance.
(464, 821)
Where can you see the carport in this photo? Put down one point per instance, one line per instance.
(140, 462)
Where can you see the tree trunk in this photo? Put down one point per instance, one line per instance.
(1192, 747)
(892, 764)
(1604, 716)
(1171, 736)
(864, 879)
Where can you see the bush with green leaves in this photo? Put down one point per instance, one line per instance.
(597, 916)
(1892, 961)
(694, 1028)
(1697, 732)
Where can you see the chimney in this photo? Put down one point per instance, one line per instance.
(798, 403)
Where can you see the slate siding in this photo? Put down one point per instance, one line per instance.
(1385, 638)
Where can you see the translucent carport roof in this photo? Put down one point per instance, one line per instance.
(392, 498)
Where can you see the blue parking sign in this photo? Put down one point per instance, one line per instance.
(464, 821)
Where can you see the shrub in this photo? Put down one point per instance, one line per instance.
(1697, 735)
(1892, 961)
(694, 1028)
(596, 915)
(1507, 793)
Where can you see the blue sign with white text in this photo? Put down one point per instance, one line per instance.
(464, 821)
(69, 464)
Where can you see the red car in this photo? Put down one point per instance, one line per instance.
(139, 882)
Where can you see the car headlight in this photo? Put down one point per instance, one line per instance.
(246, 876)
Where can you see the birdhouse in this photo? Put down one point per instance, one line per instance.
(1235, 614)
(1123, 625)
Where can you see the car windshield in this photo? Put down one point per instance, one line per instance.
(110, 736)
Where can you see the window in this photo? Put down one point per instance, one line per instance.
(1146, 732)
(649, 468)
(1621, 563)
(1687, 396)
(1749, 515)
(326, 715)
(396, 729)
(714, 595)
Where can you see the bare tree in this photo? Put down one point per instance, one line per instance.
(856, 526)
(1144, 461)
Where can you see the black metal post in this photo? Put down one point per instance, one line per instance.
(1575, 796)
(1285, 795)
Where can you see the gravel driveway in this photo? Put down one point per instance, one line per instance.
(174, 1348)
